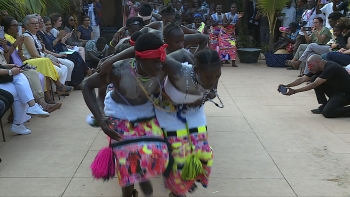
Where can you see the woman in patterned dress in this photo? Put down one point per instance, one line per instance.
(227, 40)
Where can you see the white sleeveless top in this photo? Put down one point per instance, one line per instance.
(36, 42)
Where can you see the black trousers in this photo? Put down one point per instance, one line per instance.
(336, 105)
(7, 98)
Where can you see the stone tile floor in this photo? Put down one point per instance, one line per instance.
(265, 144)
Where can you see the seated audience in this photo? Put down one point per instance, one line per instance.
(320, 35)
(307, 20)
(32, 48)
(73, 40)
(79, 70)
(198, 24)
(32, 76)
(288, 38)
(48, 44)
(95, 51)
(313, 48)
(43, 65)
(85, 31)
(13, 81)
(56, 23)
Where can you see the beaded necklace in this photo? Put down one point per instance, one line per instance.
(136, 75)
(136, 71)
(205, 94)
(197, 86)
(140, 77)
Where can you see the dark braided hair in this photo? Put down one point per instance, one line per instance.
(135, 36)
(208, 59)
(167, 11)
(145, 9)
(148, 41)
(169, 28)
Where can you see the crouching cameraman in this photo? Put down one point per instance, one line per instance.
(328, 78)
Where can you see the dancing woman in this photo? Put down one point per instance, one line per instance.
(185, 91)
(129, 107)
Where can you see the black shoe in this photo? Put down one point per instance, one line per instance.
(318, 110)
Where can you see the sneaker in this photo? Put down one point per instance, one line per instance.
(19, 129)
(318, 110)
(36, 110)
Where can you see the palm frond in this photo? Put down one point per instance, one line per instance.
(20, 8)
(269, 8)
(57, 6)
(15, 8)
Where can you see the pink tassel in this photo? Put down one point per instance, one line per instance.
(103, 167)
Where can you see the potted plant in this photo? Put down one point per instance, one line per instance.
(245, 47)
(270, 8)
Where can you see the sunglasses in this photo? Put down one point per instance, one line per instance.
(71, 19)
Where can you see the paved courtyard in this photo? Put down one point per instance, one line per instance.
(265, 144)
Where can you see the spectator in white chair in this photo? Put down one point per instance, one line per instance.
(32, 48)
(23, 97)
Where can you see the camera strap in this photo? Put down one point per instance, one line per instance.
(309, 15)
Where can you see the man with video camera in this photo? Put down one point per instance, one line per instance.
(307, 20)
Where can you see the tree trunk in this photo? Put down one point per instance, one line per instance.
(272, 26)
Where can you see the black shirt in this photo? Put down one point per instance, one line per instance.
(344, 6)
(337, 77)
(346, 37)
(341, 41)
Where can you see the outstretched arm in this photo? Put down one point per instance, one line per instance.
(298, 81)
(199, 40)
(187, 30)
(88, 89)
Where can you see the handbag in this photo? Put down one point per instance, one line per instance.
(5, 78)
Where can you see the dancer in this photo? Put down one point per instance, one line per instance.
(129, 108)
(185, 127)
(186, 119)
(176, 39)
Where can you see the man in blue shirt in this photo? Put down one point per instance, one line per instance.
(92, 8)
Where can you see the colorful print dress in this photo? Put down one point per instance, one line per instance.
(223, 39)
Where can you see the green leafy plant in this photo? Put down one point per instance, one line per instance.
(270, 8)
(20, 8)
(244, 39)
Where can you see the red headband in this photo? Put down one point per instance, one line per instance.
(156, 53)
(131, 42)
